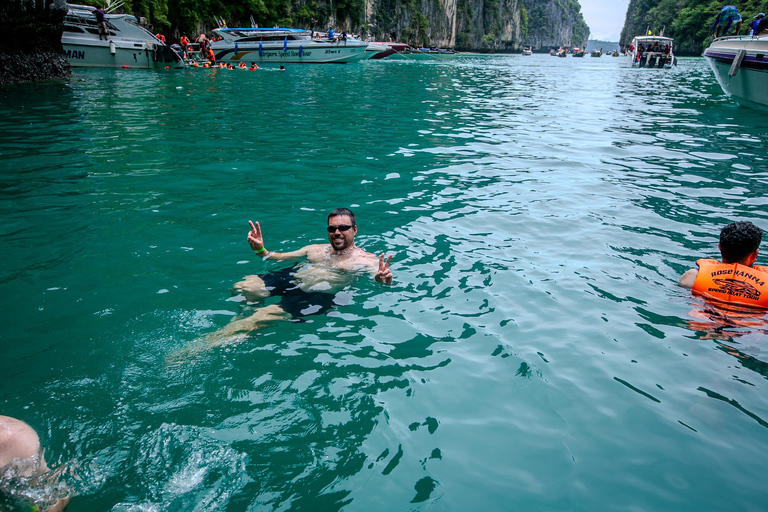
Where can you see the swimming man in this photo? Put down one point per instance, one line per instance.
(736, 280)
(311, 288)
(21, 457)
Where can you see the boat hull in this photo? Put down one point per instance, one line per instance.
(747, 81)
(92, 55)
(305, 52)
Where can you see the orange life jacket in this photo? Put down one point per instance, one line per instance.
(184, 41)
(732, 283)
(161, 37)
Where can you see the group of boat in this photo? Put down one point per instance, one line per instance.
(128, 44)
(740, 63)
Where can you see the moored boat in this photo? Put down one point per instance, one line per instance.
(577, 52)
(652, 52)
(283, 45)
(386, 49)
(740, 64)
(528, 51)
(428, 53)
(126, 45)
(596, 53)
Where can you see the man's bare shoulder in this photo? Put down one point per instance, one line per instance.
(316, 251)
(688, 278)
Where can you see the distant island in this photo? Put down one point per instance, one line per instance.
(606, 46)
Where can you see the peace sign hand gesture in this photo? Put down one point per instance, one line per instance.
(254, 237)
(384, 275)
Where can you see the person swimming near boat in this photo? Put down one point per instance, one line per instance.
(253, 67)
(22, 464)
(734, 283)
(727, 15)
(311, 288)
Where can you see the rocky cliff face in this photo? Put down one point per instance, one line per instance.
(554, 24)
(31, 48)
(472, 25)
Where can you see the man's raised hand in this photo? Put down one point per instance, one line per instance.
(384, 275)
(254, 237)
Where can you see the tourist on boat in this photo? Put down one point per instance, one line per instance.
(735, 280)
(21, 460)
(762, 27)
(752, 25)
(311, 288)
(312, 22)
(184, 42)
(727, 15)
(102, 23)
(211, 56)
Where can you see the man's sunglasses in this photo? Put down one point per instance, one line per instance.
(342, 228)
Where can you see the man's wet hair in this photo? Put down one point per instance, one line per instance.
(338, 212)
(738, 240)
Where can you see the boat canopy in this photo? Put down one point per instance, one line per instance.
(261, 34)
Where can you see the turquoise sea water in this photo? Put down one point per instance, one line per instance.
(534, 352)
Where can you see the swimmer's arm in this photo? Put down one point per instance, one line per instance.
(256, 241)
(60, 505)
(286, 256)
(687, 279)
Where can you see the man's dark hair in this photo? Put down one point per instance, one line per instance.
(738, 240)
(338, 212)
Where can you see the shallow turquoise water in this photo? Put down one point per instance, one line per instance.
(534, 353)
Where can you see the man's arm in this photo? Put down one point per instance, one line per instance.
(687, 279)
(256, 241)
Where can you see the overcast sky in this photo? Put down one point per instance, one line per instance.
(605, 18)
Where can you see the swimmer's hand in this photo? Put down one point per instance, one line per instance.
(384, 275)
(254, 237)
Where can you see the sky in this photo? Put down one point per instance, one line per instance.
(605, 18)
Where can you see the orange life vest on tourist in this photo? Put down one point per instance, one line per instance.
(732, 283)
(161, 37)
(184, 41)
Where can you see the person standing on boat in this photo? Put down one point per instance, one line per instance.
(735, 280)
(727, 15)
(101, 22)
(752, 25)
(762, 27)
(312, 22)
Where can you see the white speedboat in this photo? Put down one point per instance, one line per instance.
(740, 64)
(283, 45)
(128, 45)
(652, 52)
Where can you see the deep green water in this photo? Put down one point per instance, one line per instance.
(534, 353)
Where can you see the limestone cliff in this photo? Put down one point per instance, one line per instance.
(31, 48)
(472, 25)
(554, 24)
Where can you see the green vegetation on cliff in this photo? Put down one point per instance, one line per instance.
(687, 21)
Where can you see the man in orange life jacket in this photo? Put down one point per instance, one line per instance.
(736, 280)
